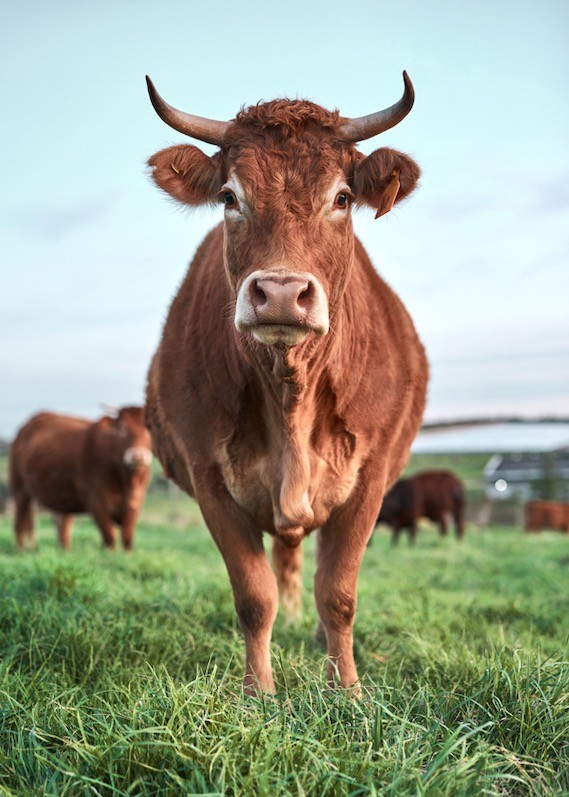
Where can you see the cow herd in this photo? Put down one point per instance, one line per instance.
(289, 381)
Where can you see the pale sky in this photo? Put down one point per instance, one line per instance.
(92, 253)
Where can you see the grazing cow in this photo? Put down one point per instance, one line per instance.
(289, 381)
(434, 494)
(71, 466)
(547, 515)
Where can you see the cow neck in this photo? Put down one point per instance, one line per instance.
(287, 376)
(288, 380)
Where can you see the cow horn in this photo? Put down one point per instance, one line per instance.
(367, 126)
(199, 127)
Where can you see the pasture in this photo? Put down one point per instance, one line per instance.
(120, 674)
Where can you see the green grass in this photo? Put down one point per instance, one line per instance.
(121, 674)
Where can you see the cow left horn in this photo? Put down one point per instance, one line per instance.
(367, 126)
(199, 127)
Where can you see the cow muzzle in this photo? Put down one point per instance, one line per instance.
(137, 457)
(281, 307)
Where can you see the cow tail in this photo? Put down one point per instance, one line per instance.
(287, 564)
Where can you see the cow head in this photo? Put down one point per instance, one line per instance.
(127, 425)
(287, 175)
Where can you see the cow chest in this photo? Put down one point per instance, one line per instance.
(290, 473)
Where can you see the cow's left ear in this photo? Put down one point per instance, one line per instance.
(384, 178)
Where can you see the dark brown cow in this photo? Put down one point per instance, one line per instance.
(71, 466)
(434, 494)
(547, 515)
(289, 382)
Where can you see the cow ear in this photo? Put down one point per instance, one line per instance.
(384, 178)
(187, 174)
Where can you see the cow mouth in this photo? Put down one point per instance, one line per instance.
(281, 307)
(273, 334)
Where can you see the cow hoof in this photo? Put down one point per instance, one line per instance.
(354, 691)
(252, 687)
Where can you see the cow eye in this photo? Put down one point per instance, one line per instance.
(229, 199)
(342, 200)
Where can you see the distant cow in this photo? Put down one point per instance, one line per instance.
(547, 515)
(289, 382)
(434, 494)
(72, 466)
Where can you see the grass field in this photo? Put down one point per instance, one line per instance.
(121, 674)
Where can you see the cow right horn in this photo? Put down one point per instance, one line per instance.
(199, 127)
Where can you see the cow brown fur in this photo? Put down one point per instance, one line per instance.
(72, 466)
(434, 494)
(547, 515)
(286, 438)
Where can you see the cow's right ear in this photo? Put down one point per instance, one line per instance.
(187, 174)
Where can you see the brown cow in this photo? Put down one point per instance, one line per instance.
(290, 381)
(547, 515)
(71, 465)
(434, 494)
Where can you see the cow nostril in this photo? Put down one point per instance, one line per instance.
(258, 295)
(306, 296)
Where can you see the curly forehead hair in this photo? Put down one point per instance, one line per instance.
(289, 116)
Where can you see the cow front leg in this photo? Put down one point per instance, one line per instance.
(256, 602)
(254, 584)
(412, 529)
(105, 526)
(128, 525)
(342, 544)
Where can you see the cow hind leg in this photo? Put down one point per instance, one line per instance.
(24, 521)
(458, 514)
(63, 524)
(287, 564)
(320, 631)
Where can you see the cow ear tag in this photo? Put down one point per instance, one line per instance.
(389, 195)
